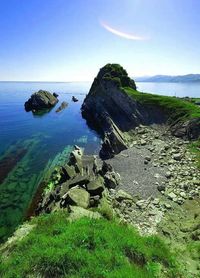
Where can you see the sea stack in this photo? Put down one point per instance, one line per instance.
(40, 100)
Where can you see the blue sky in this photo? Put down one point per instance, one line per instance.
(69, 40)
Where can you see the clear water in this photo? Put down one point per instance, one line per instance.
(30, 145)
(36, 143)
(171, 89)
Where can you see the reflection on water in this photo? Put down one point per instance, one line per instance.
(32, 144)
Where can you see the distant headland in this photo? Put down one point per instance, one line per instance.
(170, 78)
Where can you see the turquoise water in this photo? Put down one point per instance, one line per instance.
(30, 145)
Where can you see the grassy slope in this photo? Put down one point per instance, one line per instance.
(87, 248)
(178, 109)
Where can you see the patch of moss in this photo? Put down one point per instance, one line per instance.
(87, 248)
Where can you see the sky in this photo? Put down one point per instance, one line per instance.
(70, 40)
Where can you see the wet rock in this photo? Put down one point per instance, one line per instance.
(55, 95)
(74, 99)
(63, 105)
(40, 100)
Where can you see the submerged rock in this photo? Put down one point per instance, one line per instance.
(40, 100)
(63, 105)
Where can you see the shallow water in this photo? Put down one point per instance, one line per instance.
(31, 144)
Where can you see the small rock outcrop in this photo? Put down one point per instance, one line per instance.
(74, 99)
(79, 183)
(40, 100)
(63, 105)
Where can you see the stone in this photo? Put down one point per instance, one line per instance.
(177, 156)
(161, 187)
(40, 100)
(112, 179)
(63, 105)
(79, 212)
(168, 174)
(69, 171)
(141, 204)
(76, 196)
(74, 99)
(55, 95)
(172, 196)
(122, 195)
(143, 142)
(167, 206)
(96, 187)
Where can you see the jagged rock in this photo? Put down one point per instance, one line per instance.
(112, 112)
(75, 160)
(55, 95)
(74, 99)
(122, 195)
(112, 179)
(187, 130)
(63, 105)
(40, 100)
(69, 171)
(76, 196)
(96, 187)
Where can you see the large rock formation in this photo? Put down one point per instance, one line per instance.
(112, 113)
(40, 100)
(80, 183)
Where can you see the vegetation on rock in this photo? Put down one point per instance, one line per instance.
(117, 74)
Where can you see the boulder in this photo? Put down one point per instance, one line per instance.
(122, 195)
(69, 171)
(76, 196)
(96, 187)
(74, 99)
(112, 179)
(40, 100)
(79, 212)
(55, 95)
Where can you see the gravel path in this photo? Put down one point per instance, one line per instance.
(138, 178)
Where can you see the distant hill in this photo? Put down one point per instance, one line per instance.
(168, 78)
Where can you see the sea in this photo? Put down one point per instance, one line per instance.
(32, 145)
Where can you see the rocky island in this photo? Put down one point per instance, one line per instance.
(41, 100)
(133, 211)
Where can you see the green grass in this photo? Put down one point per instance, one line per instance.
(195, 148)
(177, 109)
(87, 248)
